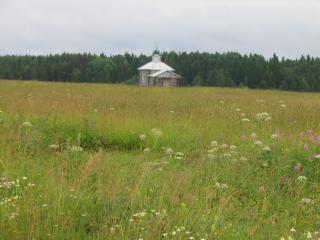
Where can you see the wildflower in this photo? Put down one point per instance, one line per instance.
(111, 109)
(142, 137)
(283, 105)
(283, 179)
(221, 185)
(307, 201)
(214, 143)
(179, 154)
(54, 146)
(266, 149)
(24, 178)
(27, 124)
(259, 116)
(311, 138)
(292, 230)
(156, 132)
(232, 147)
(297, 167)
(245, 120)
(257, 143)
(253, 136)
(224, 146)
(44, 205)
(174, 233)
(243, 137)
(274, 136)
(302, 179)
(309, 235)
(306, 147)
(317, 156)
(238, 109)
(141, 214)
(268, 118)
(171, 111)
(165, 234)
(146, 150)
(169, 151)
(76, 149)
(243, 159)
(262, 116)
(233, 152)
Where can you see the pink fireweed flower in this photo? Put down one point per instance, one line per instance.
(283, 179)
(297, 167)
(243, 137)
(309, 132)
(311, 138)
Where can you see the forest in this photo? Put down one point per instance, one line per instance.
(197, 69)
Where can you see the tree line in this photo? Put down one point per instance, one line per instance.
(197, 69)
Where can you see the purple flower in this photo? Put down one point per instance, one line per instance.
(243, 137)
(311, 138)
(297, 167)
(283, 179)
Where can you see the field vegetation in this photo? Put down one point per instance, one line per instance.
(99, 161)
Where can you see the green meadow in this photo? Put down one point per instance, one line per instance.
(102, 161)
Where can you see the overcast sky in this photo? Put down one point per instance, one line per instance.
(288, 27)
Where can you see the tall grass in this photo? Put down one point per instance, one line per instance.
(90, 161)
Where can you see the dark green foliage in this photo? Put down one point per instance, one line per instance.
(198, 69)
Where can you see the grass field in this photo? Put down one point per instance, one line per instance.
(89, 161)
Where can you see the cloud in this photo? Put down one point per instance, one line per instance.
(289, 28)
